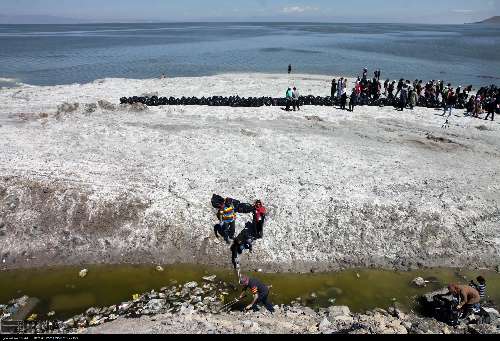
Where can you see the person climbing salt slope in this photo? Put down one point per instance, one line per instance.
(242, 242)
(259, 217)
(259, 291)
(227, 218)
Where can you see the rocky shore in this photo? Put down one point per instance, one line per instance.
(200, 308)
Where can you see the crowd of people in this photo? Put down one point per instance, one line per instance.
(407, 94)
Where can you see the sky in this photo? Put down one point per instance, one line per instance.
(414, 11)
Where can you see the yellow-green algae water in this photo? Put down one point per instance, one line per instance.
(63, 291)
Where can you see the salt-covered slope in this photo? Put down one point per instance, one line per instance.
(377, 187)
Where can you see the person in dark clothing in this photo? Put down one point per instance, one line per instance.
(333, 91)
(343, 100)
(259, 291)
(390, 90)
(242, 242)
(289, 68)
(451, 101)
(259, 217)
(401, 83)
(352, 103)
(492, 107)
(403, 99)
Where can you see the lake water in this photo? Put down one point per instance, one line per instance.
(63, 54)
(62, 290)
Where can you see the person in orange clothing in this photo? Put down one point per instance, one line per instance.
(469, 297)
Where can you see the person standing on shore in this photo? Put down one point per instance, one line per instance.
(295, 99)
(289, 68)
(403, 98)
(354, 98)
(259, 291)
(333, 90)
(390, 90)
(343, 99)
(289, 98)
(339, 87)
(412, 98)
(450, 102)
(492, 106)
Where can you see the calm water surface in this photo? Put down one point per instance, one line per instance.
(62, 290)
(62, 54)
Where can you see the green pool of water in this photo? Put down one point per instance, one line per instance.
(63, 291)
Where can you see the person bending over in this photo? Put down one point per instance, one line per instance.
(259, 291)
(469, 298)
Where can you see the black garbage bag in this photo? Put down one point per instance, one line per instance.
(244, 208)
(217, 201)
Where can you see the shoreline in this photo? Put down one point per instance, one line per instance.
(301, 269)
(199, 307)
(265, 75)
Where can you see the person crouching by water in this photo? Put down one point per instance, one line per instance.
(259, 291)
(259, 217)
(289, 98)
(469, 298)
(227, 218)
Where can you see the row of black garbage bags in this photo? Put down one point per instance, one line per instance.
(236, 101)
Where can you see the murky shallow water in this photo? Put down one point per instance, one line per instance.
(62, 290)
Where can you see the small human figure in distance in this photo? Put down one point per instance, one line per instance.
(295, 99)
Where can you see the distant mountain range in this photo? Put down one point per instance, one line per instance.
(38, 19)
(492, 20)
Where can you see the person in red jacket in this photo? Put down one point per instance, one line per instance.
(259, 216)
